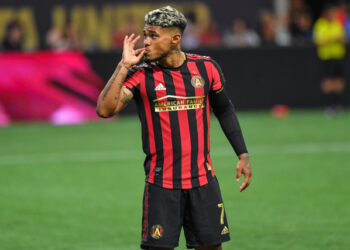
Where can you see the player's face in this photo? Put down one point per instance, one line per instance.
(157, 41)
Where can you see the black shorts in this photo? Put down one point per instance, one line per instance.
(333, 68)
(200, 211)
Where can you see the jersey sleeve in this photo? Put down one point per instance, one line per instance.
(132, 80)
(218, 79)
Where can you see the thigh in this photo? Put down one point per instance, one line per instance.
(162, 217)
(205, 218)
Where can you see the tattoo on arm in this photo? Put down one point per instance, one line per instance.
(126, 98)
(111, 81)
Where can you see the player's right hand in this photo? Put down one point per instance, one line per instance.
(130, 55)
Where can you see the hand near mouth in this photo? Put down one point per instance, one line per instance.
(130, 55)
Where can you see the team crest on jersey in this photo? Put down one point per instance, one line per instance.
(157, 231)
(197, 82)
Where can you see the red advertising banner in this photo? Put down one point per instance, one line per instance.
(60, 87)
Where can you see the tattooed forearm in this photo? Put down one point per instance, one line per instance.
(107, 90)
(111, 81)
(126, 98)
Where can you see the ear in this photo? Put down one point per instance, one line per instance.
(176, 39)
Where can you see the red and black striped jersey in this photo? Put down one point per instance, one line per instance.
(173, 107)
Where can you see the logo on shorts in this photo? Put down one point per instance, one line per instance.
(208, 166)
(197, 82)
(224, 231)
(157, 231)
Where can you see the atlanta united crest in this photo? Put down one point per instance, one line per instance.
(197, 82)
(157, 231)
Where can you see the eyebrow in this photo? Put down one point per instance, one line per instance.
(150, 31)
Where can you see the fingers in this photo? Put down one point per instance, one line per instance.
(131, 40)
(141, 54)
(131, 37)
(124, 42)
(128, 39)
(134, 41)
(243, 167)
(239, 173)
(245, 183)
(138, 51)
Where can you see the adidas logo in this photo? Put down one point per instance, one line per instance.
(224, 231)
(160, 86)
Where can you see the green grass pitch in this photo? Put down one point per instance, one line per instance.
(80, 187)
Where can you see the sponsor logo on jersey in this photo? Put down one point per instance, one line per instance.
(157, 231)
(176, 103)
(160, 86)
(224, 231)
(197, 82)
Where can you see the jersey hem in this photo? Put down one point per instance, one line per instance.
(175, 187)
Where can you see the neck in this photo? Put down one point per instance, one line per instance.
(173, 59)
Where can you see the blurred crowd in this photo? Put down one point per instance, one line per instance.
(293, 28)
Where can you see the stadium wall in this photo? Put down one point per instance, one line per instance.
(96, 21)
(256, 78)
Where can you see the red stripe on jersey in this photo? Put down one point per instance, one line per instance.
(184, 133)
(166, 132)
(200, 128)
(148, 112)
(208, 66)
(216, 82)
(132, 82)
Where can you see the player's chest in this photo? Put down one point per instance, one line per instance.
(176, 84)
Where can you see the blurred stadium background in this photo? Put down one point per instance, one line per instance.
(79, 186)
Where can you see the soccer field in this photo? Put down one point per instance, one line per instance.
(80, 187)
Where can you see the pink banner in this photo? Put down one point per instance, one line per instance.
(60, 87)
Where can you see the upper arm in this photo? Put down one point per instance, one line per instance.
(124, 98)
(130, 86)
(220, 102)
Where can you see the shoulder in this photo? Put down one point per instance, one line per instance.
(201, 58)
(196, 57)
(140, 68)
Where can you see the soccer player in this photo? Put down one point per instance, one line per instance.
(174, 91)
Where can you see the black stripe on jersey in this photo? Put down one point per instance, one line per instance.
(157, 130)
(203, 72)
(175, 132)
(190, 91)
(145, 136)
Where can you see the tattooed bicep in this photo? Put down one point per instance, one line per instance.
(126, 96)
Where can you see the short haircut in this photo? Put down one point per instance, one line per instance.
(166, 17)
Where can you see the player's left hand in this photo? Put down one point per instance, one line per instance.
(244, 167)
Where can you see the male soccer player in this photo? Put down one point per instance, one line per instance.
(173, 92)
